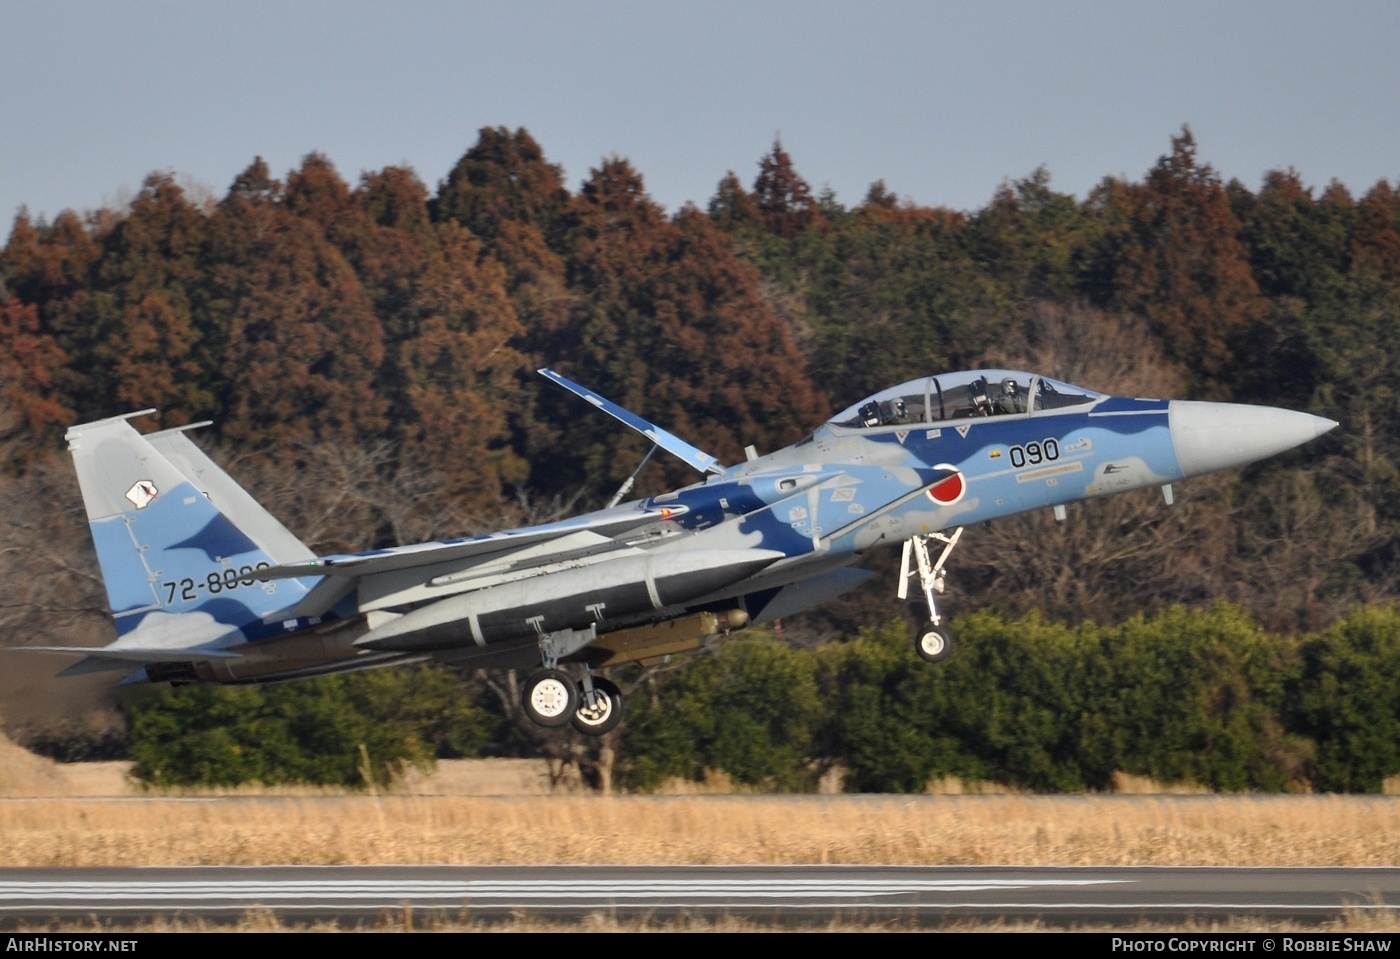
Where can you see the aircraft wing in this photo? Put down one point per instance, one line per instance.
(669, 442)
(357, 565)
(453, 560)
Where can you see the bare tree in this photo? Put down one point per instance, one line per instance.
(53, 596)
(1109, 352)
(1272, 542)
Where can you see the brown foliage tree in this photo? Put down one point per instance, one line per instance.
(669, 322)
(301, 345)
(783, 198)
(1171, 252)
(390, 250)
(32, 408)
(461, 375)
(151, 267)
(50, 268)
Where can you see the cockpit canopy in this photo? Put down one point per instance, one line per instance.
(956, 396)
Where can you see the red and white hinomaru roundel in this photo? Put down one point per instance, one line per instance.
(949, 489)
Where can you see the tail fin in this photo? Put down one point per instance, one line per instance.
(175, 537)
(232, 500)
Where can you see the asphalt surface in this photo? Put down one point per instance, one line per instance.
(918, 895)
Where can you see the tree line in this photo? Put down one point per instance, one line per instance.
(1203, 698)
(366, 354)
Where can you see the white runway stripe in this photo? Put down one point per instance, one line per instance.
(515, 890)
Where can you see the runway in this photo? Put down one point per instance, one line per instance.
(918, 895)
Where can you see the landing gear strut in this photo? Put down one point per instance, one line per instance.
(934, 641)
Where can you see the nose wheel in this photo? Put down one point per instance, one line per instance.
(934, 642)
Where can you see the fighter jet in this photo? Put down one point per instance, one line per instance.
(206, 586)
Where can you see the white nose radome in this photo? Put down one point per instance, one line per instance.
(1218, 436)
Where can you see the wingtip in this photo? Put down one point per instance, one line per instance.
(78, 428)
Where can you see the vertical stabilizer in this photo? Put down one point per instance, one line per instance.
(231, 499)
(176, 539)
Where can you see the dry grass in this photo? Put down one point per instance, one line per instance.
(24, 774)
(1354, 922)
(972, 830)
(509, 812)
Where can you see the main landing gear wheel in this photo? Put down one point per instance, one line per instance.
(934, 643)
(606, 711)
(550, 697)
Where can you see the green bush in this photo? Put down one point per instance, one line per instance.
(1346, 699)
(347, 730)
(750, 708)
(1204, 697)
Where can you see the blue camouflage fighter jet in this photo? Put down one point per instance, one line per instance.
(206, 586)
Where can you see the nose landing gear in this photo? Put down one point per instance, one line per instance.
(934, 642)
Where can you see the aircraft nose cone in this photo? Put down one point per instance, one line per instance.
(1217, 436)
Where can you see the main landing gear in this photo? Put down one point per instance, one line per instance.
(605, 712)
(934, 642)
(552, 698)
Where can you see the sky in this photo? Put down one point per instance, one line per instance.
(943, 101)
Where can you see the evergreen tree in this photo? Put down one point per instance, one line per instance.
(1171, 251)
(460, 374)
(504, 178)
(300, 343)
(783, 198)
(152, 268)
(668, 322)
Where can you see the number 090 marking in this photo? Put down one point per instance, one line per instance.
(1033, 454)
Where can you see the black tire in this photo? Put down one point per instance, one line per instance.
(606, 715)
(550, 697)
(933, 644)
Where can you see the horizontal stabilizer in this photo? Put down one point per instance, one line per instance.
(694, 457)
(93, 664)
(100, 659)
(135, 654)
